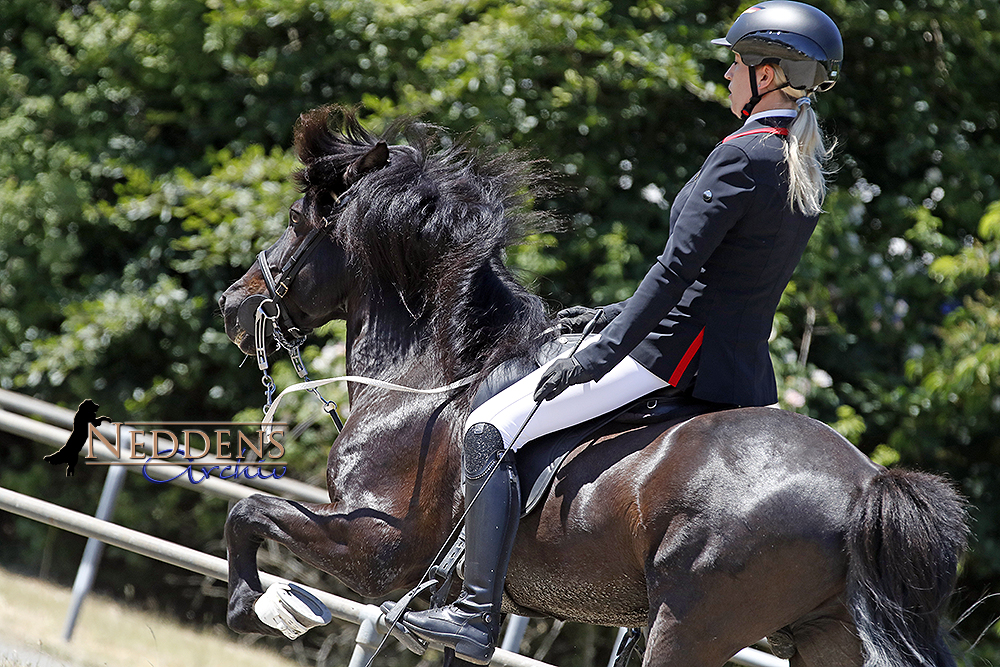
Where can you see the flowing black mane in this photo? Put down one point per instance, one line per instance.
(429, 229)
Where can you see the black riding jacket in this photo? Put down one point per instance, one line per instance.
(702, 316)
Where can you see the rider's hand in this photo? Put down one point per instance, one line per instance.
(560, 375)
(575, 318)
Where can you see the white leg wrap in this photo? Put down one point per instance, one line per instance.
(290, 609)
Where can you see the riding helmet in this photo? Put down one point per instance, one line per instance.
(801, 39)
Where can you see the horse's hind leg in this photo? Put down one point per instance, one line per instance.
(826, 638)
(671, 644)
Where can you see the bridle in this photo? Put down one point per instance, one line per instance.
(288, 334)
(270, 316)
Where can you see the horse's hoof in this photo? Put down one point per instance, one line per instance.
(290, 609)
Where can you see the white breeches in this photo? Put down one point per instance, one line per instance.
(626, 382)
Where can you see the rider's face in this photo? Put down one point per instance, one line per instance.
(739, 83)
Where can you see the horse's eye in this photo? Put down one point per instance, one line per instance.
(295, 218)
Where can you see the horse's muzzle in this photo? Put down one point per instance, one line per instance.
(246, 321)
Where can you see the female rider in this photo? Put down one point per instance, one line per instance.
(699, 321)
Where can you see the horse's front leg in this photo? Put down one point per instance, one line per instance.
(317, 533)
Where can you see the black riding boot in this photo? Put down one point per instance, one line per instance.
(471, 625)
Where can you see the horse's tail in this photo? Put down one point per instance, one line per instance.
(907, 531)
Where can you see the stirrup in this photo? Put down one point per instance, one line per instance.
(291, 609)
(398, 630)
(394, 610)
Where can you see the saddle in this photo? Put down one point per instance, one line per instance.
(539, 460)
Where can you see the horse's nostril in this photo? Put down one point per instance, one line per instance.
(246, 314)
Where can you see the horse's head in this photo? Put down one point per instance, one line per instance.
(412, 235)
(302, 279)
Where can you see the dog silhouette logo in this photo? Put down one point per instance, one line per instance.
(86, 415)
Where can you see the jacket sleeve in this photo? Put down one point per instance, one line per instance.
(721, 194)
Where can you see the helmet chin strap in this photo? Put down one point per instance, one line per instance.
(755, 95)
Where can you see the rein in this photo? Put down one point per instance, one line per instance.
(313, 385)
(262, 319)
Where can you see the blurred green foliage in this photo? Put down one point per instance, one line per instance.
(144, 160)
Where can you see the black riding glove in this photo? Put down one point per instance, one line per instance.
(575, 318)
(563, 373)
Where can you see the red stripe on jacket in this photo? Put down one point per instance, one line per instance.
(685, 361)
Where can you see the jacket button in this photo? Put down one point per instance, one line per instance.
(707, 195)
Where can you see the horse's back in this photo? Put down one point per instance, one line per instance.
(758, 470)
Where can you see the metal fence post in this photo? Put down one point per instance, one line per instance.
(95, 548)
(368, 637)
(514, 633)
(618, 642)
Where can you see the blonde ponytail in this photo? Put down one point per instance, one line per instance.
(806, 154)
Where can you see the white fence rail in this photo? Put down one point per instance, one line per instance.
(13, 410)
(367, 616)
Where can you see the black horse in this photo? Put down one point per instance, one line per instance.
(712, 534)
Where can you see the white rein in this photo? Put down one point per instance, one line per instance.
(314, 384)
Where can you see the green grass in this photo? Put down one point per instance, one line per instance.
(108, 634)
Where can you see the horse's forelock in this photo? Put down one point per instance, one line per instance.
(329, 131)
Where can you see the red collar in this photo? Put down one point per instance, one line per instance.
(783, 131)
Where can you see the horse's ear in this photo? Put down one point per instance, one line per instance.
(374, 159)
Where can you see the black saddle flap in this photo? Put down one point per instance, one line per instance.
(539, 460)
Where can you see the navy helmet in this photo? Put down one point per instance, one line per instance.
(799, 38)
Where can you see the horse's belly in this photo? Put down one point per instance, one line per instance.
(580, 585)
(579, 558)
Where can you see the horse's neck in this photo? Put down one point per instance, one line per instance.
(392, 433)
(387, 340)
(384, 342)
